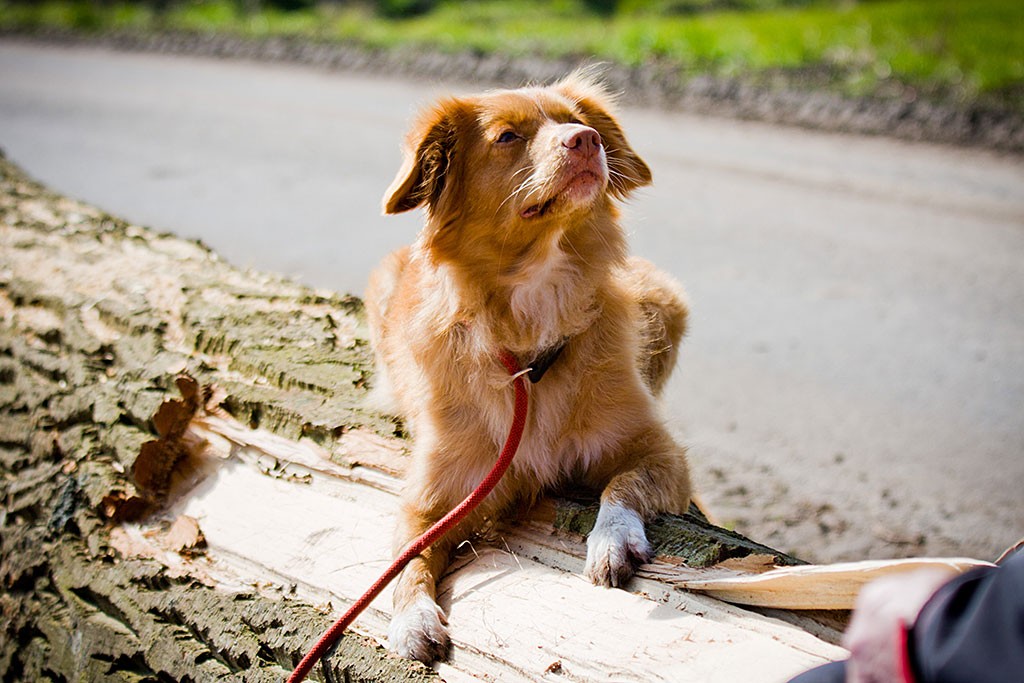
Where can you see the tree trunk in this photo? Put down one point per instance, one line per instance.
(141, 378)
(98, 319)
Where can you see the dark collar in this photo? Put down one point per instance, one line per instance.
(540, 365)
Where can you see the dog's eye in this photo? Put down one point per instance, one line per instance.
(507, 137)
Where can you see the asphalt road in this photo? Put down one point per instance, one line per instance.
(853, 384)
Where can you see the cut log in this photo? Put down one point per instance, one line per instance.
(97, 319)
(517, 601)
(193, 486)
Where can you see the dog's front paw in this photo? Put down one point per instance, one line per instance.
(616, 546)
(418, 631)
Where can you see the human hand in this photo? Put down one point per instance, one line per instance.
(884, 610)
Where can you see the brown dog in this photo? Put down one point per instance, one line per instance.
(523, 251)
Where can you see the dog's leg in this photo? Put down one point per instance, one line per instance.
(418, 625)
(663, 321)
(659, 482)
(377, 299)
(383, 281)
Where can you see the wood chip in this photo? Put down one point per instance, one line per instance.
(829, 587)
(184, 536)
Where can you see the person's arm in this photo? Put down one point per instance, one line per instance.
(926, 627)
(972, 629)
(878, 635)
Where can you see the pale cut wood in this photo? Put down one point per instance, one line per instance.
(826, 587)
(277, 510)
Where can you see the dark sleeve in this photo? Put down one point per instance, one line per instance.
(827, 673)
(972, 629)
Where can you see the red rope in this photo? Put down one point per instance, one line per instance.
(440, 528)
(903, 646)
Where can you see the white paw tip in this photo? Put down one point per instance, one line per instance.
(418, 632)
(616, 546)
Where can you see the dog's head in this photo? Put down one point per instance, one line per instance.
(504, 169)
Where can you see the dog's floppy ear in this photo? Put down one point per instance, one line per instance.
(430, 158)
(626, 169)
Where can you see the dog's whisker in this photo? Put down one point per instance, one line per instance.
(518, 188)
(604, 241)
(512, 553)
(577, 252)
(614, 174)
(612, 154)
(524, 187)
(614, 166)
(468, 544)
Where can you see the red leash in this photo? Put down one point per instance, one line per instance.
(440, 528)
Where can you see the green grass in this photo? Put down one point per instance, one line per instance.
(956, 48)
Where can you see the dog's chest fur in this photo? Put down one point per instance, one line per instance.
(550, 299)
(570, 428)
(546, 288)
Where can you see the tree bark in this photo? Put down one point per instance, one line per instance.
(102, 325)
(97, 319)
